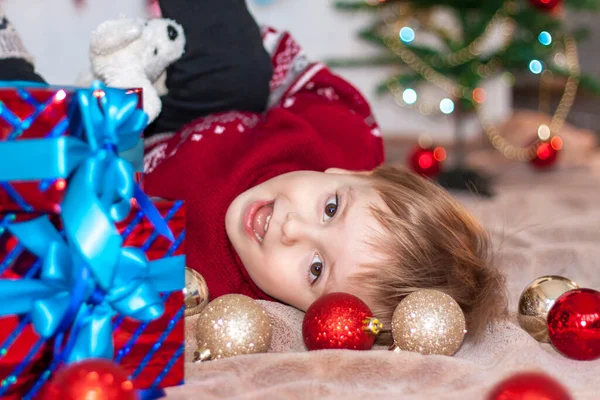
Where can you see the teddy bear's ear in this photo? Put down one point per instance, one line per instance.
(115, 34)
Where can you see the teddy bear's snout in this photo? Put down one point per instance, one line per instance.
(172, 32)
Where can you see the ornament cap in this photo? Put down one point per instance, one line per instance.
(372, 325)
(202, 354)
(339, 320)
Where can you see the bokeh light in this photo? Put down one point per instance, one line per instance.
(407, 34)
(545, 38)
(479, 95)
(425, 160)
(447, 106)
(536, 66)
(556, 143)
(508, 79)
(543, 151)
(439, 153)
(409, 96)
(544, 132)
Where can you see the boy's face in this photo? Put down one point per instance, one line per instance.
(303, 234)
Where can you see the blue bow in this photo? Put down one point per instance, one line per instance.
(90, 277)
(112, 123)
(67, 295)
(130, 145)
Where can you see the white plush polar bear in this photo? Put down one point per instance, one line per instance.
(134, 53)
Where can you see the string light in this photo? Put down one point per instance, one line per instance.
(425, 141)
(454, 89)
(421, 67)
(447, 106)
(560, 59)
(545, 91)
(409, 96)
(545, 38)
(471, 50)
(509, 151)
(558, 119)
(425, 108)
(508, 79)
(407, 34)
(536, 66)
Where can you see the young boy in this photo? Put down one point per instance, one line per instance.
(295, 203)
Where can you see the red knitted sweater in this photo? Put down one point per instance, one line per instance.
(321, 123)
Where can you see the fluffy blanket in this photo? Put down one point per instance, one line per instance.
(541, 223)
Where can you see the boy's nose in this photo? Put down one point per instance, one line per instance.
(294, 229)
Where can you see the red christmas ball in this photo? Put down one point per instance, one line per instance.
(546, 153)
(96, 379)
(529, 386)
(339, 321)
(546, 5)
(574, 324)
(426, 162)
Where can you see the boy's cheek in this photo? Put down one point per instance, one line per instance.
(271, 278)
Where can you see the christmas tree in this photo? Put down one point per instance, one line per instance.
(465, 42)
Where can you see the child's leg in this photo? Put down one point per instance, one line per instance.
(225, 66)
(16, 64)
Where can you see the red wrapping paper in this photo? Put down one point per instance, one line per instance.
(42, 111)
(174, 305)
(14, 264)
(166, 364)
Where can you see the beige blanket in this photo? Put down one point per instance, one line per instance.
(541, 223)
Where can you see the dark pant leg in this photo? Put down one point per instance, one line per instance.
(225, 66)
(18, 69)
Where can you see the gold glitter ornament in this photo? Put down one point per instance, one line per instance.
(429, 322)
(232, 325)
(195, 292)
(536, 301)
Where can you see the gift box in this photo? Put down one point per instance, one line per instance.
(150, 349)
(43, 133)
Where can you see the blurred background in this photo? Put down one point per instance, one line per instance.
(57, 33)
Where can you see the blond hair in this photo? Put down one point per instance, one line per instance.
(430, 242)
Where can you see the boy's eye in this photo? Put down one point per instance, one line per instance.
(331, 208)
(316, 268)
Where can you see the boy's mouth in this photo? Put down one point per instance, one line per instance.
(257, 218)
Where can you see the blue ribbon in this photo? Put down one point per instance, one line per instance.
(112, 123)
(67, 295)
(90, 277)
(133, 154)
(12, 84)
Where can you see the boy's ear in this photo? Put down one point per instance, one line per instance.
(341, 171)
